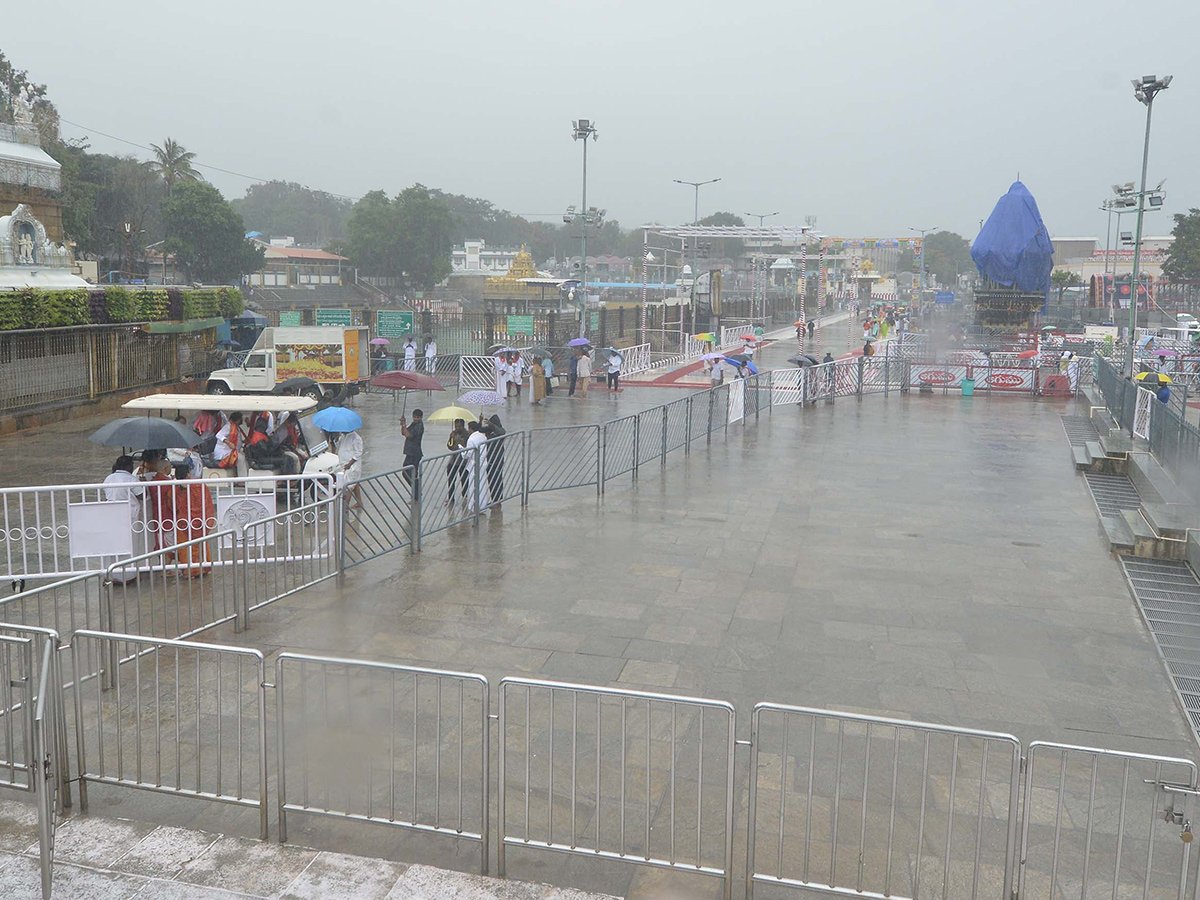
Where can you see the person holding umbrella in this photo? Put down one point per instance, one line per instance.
(477, 461)
(345, 424)
(614, 371)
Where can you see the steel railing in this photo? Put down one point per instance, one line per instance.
(651, 788)
(17, 680)
(382, 743)
(564, 457)
(46, 776)
(181, 718)
(382, 519)
(854, 814)
(301, 545)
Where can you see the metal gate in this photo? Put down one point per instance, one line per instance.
(860, 806)
(620, 451)
(1103, 823)
(629, 776)
(564, 457)
(377, 517)
(737, 400)
(1141, 413)
(383, 743)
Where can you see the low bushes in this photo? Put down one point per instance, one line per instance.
(33, 308)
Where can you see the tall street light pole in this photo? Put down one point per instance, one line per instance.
(697, 185)
(922, 232)
(1145, 90)
(581, 130)
(763, 275)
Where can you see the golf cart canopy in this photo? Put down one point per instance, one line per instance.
(221, 403)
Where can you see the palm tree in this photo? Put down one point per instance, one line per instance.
(174, 163)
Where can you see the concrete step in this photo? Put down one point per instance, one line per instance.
(101, 858)
(1103, 463)
(1147, 542)
(1119, 534)
(1083, 459)
(1102, 419)
(1115, 443)
(1172, 520)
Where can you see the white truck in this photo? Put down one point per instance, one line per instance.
(336, 359)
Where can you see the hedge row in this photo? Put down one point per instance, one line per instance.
(55, 309)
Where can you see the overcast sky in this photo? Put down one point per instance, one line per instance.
(872, 116)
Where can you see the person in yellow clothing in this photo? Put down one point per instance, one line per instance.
(537, 389)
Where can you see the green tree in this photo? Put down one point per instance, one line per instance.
(279, 208)
(372, 238)
(207, 235)
(1063, 279)
(947, 255)
(1183, 257)
(174, 163)
(426, 231)
(723, 219)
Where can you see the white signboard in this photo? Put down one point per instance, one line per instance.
(936, 376)
(1001, 379)
(102, 528)
(737, 400)
(240, 510)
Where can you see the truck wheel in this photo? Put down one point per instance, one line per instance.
(219, 388)
(313, 393)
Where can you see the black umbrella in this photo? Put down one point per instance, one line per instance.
(146, 432)
(803, 360)
(739, 357)
(299, 383)
(229, 345)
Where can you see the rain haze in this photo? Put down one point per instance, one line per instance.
(872, 117)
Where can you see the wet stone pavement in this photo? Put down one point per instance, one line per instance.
(933, 558)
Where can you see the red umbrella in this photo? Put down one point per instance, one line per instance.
(1028, 354)
(406, 380)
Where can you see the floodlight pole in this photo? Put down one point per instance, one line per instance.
(1146, 94)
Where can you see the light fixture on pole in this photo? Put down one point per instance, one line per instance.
(1145, 90)
(922, 232)
(697, 185)
(581, 130)
(762, 275)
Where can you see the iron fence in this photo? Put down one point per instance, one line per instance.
(650, 437)
(17, 680)
(181, 718)
(564, 457)
(475, 479)
(45, 773)
(619, 437)
(879, 807)
(301, 545)
(64, 606)
(1105, 823)
(382, 743)
(382, 519)
(621, 775)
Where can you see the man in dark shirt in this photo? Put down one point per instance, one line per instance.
(412, 443)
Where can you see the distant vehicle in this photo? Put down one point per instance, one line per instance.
(1188, 323)
(336, 358)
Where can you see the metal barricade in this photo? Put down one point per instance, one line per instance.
(1104, 823)
(649, 436)
(176, 591)
(845, 377)
(476, 373)
(1141, 413)
(619, 438)
(564, 457)
(62, 606)
(700, 415)
(787, 386)
(880, 807)
(378, 516)
(16, 712)
(381, 743)
(635, 359)
(643, 802)
(301, 547)
(736, 391)
(57, 531)
(678, 420)
(181, 718)
(443, 500)
(45, 771)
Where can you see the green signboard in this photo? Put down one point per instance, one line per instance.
(334, 317)
(289, 319)
(391, 323)
(594, 321)
(520, 325)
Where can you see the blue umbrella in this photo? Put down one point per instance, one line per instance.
(338, 419)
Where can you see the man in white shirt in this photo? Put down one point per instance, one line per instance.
(410, 354)
(350, 454)
(614, 372)
(430, 356)
(123, 485)
(517, 368)
(476, 454)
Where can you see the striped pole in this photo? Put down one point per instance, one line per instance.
(820, 299)
(803, 286)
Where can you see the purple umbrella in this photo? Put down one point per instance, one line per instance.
(578, 342)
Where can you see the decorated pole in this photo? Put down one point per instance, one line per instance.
(802, 319)
(820, 299)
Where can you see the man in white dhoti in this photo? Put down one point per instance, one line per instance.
(410, 354)
(430, 356)
(476, 457)
(123, 485)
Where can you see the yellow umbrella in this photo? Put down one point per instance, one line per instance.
(1153, 377)
(449, 414)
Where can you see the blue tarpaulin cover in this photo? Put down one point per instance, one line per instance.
(1013, 247)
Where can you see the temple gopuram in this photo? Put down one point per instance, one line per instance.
(521, 289)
